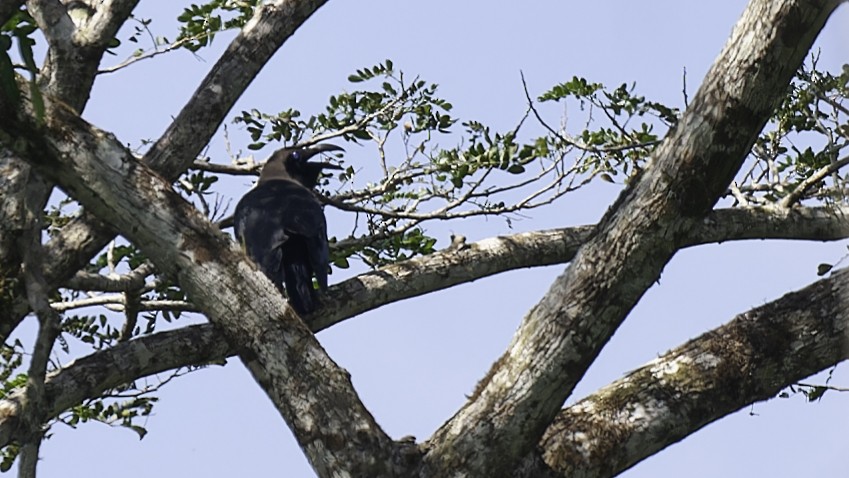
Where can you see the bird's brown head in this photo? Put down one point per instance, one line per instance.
(293, 164)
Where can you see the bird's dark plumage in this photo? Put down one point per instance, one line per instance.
(282, 226)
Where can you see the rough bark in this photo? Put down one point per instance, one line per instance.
(91, 376)
(76, 45)
(85, 235)
(502, 423)
(488, 257)
(750, 359)
(561, 336)
(309, 390)
(73, 56)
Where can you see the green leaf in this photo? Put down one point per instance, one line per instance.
(361, 134)
(138, 429)
(824, 269)
(816, 393)
(8, 85)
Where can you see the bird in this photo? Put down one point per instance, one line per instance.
(281, 225)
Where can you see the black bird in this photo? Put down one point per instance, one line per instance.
(281, 224)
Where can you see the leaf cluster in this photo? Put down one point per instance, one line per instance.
(20, 28)
(123, 414)
(201, 22)
(803, 147)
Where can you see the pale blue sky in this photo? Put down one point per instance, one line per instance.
(414, 362)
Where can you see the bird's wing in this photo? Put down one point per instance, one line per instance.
(259, 234)
(269, 215)
(301, 214)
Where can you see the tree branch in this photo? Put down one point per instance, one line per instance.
(76, 45)
(805, 185)
(272, 24)
(91, 376)
(175, 151)
(561, 336)
(33, 409)
(311, 393)
(750, 359)
(601, 435)
(67, 75)
(133, 280)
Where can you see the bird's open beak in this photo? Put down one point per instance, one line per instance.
(323, 148)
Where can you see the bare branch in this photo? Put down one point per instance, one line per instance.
(272, 24)
(84, 236)
(813, 179)
(757, 354)
(561, 336)
(827, 387)
(175, 45)
(118, 303)
(33, 410)
(231, 169)
(311, 392)
(89, 377)
(133, 280)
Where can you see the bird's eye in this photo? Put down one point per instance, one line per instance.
(295, 155)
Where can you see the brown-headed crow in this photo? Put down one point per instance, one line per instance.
(281, 224)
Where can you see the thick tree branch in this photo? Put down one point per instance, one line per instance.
(91, 376)
(752, 358)
(175, 151)
(53, 19)
(749, 359)
(68, 74)
(272, 24)
(311, 393)
(492, 256)
(22, 190)
(561, 336)
(76, 45)
(33, 406)
(488, 257)
(133, 280)
(104, 23)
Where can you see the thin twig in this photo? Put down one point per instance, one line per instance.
(818, 176)
(48, 330)
(150, 54)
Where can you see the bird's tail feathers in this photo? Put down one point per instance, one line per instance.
(298, 278)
